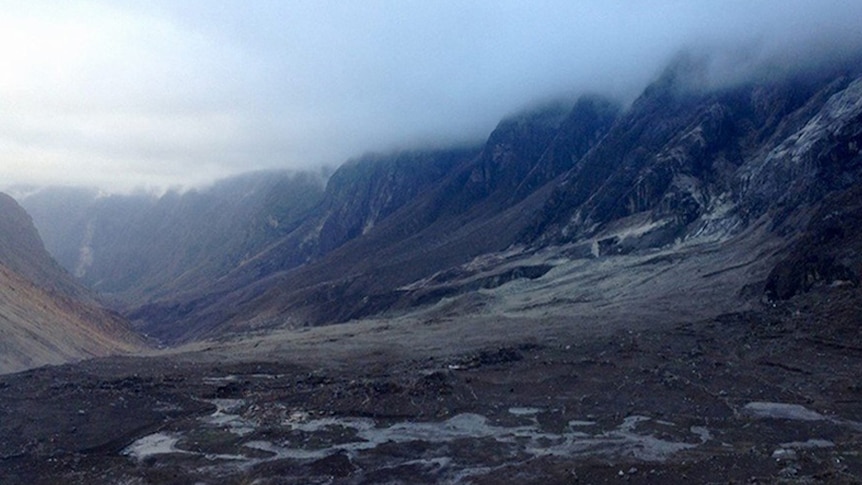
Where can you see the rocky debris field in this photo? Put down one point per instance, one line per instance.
(765, 396)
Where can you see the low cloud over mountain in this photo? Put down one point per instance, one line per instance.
(124, 95)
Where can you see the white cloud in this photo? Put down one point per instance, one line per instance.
(128, 93)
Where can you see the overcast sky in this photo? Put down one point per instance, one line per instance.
(124, 94)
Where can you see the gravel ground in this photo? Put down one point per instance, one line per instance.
(768, 395)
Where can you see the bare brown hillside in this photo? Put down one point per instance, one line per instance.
(39, 328)
(45, 317)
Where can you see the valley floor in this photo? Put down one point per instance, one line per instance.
(769, 395)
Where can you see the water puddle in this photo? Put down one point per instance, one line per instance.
(151, 445)
(166, 444)
(625, 440)
(454, 449)
(226, 416)
(787, 452)
(810, 444)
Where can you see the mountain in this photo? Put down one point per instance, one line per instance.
(827, 253)
(441, 217)
(690, 163)
(751, 164)
(358, 196)
(682, 165)
(594, 293)
(22, 252)
(131, 248)
(45, 316)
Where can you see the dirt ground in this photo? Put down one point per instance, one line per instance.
(767, 395)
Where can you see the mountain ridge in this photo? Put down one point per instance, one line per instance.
(682, 180)
(682, 164)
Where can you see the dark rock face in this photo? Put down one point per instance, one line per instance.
(820, 156)
(512, 150)
(363, 192)
(691, 162)
(359, 196)
(800, 274)
(585, 125)
(526, 151)
(829, 251)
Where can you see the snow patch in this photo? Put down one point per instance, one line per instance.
(151, 445)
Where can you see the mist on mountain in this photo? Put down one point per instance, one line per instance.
(119, 95)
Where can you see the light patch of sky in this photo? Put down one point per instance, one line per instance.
(125, 93)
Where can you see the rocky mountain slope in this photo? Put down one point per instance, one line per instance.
(682, 164)
(45, 317)
(450, 195)
(686, 162)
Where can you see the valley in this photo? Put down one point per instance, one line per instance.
(666, 292)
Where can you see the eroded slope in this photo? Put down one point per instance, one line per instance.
(45, 317)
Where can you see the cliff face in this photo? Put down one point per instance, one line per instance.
(365, 191)
(683, 163)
